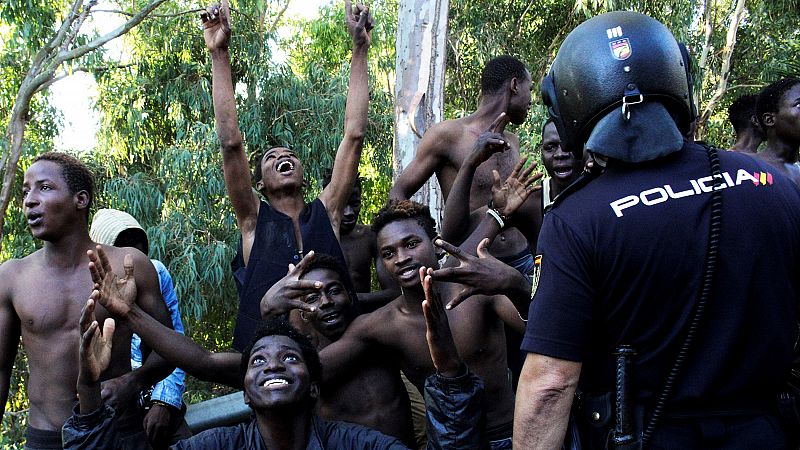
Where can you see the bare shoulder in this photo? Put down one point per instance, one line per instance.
(16, 271)
(443, 134)
(379, 324)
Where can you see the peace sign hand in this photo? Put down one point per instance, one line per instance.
(116, 294)
(490, 141)
(481, 275)
(509, 196)
(288, 293)
(359, 23)
(440, 340)
(217, 26)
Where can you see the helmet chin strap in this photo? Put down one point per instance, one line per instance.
(645, 131)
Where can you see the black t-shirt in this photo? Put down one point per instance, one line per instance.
(622, 260)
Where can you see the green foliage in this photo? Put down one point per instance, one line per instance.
(158, 156)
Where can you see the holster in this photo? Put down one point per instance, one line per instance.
(789, 409)
(593, 416)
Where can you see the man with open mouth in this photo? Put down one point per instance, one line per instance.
(280, 373)
(280, 230)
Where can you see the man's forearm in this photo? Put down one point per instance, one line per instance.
(544, 398)
(357, 106)
(225, 116)
(456, 209)
(89, 396)
(178, 349)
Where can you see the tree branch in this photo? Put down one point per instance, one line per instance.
(66, 73)
(102, 40)
(77, 26)
(277, 18)
(160, 16)
(727, 53)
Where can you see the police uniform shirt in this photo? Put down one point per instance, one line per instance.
(621, 263)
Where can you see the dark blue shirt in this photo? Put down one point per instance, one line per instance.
(274, 248)
(622, 260)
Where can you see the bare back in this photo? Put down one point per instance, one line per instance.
(47, 301)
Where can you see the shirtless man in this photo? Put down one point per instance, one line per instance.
(373, 395)
(278, 232)
(742, 115)
(405, 240)
(778, 110)
(451, 387)
(359, 246)
(562, 169)
(41, 297)
(505, 87)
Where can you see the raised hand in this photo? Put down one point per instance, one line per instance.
(95, 346)
(116, 294)
(483, 274)
(490, 141)
(290, 291)
(217, 26)
(440, 340)
(509, 196)
(359, 23)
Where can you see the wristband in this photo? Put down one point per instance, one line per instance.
(164, 404)
(497, 217)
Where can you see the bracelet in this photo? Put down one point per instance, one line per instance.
(159, 402)
(491, 206)
(496, 216)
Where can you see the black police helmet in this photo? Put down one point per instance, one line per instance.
(616, 55)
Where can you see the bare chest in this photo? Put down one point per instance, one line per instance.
(51, 301)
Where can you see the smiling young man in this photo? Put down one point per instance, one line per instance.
(372, 394)
(281, 381)
(279, 231)
(359, 247)
(405, 232)
(41, 297)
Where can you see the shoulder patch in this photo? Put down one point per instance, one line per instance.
(535, 273)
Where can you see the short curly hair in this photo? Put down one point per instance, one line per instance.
(769, 98)
(405, 209)
(278, 326)
(326, 261)
(76, 174)
(500, 70)
(741, 110)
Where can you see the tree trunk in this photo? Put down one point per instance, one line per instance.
(419, 89)
(725, 70)
(41, 73)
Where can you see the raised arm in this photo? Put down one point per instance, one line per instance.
(122, 389)
(9, 334)
(235, 166)
(174, 347)
(94, 355)
(453, 396)
(426, 162)
(345, 167)
(456, 209)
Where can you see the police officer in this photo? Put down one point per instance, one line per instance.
(628, 258)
